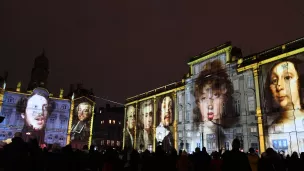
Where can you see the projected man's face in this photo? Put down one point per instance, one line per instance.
(147, 115)
(131, 117)
(84, 111)
(284, 85)
(36, 112)
(211, 102)
(166, 111)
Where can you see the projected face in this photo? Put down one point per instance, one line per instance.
(284, 85)
(36, 112)
(166, 111)
(147, 115)
(84, 111)
(211, 102)
(131, 117)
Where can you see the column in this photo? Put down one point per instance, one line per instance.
(258, 110)
(124, 129)
(70, 122)
(175, 120)
(135, 128)
(154, 123)
(91, 127)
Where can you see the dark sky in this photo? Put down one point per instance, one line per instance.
(124, 48)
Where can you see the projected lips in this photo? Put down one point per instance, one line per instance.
(210, 116)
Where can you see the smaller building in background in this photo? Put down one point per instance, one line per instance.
(108, 127)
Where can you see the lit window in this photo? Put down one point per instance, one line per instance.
(112, 143)
(100, 111)
(117, 143)
(101, 122)
(108, 142)
(188, 134)
(113, 121)
(110, 121)
(253, 129)
(119, 122)
(101, 142)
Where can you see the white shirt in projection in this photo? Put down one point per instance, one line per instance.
(161, 132)
(287, 134)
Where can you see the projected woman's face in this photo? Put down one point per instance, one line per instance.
(131, 117)
(166, 111)
(284, 85)
(147, 114)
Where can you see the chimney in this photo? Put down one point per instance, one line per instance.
(18, 86)
(61, 93)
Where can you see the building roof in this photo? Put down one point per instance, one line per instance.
(212, 50)
(156, 91)
(275, 51)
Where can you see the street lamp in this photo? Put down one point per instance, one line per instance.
(159, 138)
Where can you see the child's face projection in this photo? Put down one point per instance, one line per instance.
(211, 102)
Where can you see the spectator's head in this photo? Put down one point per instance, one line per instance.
(18, 134)
(204, 150)
(85, 147)
(251, 150)
(294, 155)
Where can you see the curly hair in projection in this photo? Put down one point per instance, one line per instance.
(213, 90)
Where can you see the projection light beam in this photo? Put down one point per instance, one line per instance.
(108, 100)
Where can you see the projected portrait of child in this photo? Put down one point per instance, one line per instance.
(283, 96)
(81, 122)
(212, 90)
(35, 111)
(145, 131)
(163, 132)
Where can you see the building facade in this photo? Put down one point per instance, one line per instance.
(108, 127)
(257, 99)
(37, 113)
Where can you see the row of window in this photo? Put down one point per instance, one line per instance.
(110, 122)
(189, 134)
(237, 107)
(110, 142)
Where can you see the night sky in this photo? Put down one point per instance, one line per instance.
(124, 48)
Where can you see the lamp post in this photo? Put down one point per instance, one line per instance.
(159, 138)
(218, 134)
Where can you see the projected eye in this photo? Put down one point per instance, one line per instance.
(287, 77)
(274, 81)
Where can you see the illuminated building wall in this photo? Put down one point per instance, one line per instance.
(108, 127)
(54, 123)
(227, 96)
(36, 113)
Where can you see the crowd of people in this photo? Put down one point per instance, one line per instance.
(19, 155)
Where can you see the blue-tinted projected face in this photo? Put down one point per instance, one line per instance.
(36, 112)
